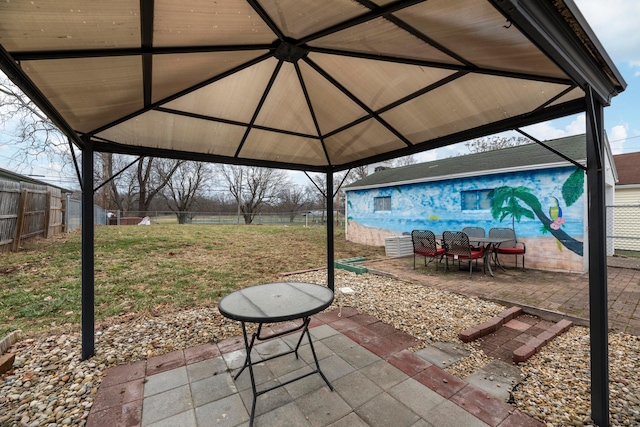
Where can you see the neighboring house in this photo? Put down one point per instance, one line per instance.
(626, 210)
(528, 187)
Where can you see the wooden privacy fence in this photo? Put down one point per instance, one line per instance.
(28, 210)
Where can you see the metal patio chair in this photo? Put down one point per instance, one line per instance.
(474, 232)
(511, 247)
(424, 244)
(457, 247)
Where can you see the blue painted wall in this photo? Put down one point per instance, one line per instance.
(437, 206)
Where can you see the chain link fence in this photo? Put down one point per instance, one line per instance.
(169, 217)
(73, 214)
(73, 217)
(624, 222)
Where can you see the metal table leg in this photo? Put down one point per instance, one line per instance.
(249, 364)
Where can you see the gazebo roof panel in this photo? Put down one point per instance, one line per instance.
(475, 100)
(90, 92)
(278, 147)
(480, 34)
(197, 23)
(392, 81)
(298, 19)
(381, 37)
(332, 107)
(69, 24)
(176, 132)
(234, 97)
(174, 73)
(286, 94)
(365, 139)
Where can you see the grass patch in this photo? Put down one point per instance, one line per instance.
(632, 254)
(154, 269)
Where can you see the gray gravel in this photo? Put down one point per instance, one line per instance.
(50, 386)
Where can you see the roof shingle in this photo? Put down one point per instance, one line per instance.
(521, 156)
(627, 168)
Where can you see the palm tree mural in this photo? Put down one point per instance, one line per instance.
(505, 201)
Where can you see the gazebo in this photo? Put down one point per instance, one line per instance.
(311, 86)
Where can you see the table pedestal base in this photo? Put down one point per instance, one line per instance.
(249, 364)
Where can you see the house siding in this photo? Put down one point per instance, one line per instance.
(437, 206)
(626, 216)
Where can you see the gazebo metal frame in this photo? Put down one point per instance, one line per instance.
(312, 86)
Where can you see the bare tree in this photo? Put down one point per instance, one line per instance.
(403, 161)
(293, 199)
(124, 187)
(31, 129)
(252, 187)
(153, 176)
(319, 188)
(185, 187)
(495, 142)
(358, 173)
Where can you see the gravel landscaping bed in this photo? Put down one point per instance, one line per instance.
(50, 386)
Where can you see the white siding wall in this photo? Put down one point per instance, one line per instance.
(626, 220)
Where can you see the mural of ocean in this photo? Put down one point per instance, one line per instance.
(523, 228)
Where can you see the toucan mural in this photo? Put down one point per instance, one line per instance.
(506, 201)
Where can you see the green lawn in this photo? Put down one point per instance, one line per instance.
(154, 268)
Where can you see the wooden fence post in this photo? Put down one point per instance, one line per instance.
(20, 220)
(47, 214)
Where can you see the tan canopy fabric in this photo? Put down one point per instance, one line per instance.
(300, 84)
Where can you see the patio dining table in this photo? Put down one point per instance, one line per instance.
(490, 243)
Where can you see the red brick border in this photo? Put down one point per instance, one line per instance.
(490, 325)
(534, 344)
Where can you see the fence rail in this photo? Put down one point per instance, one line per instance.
(169, 217)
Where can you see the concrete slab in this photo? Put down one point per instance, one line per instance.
(356, 389)
(441, 358)
(323, 407)
(496, 378)
(183, 419)
(384, 411)
(167, 404)
(416, 396)
(229, 411)
(444, 414)
(164, 381)
(384, 374)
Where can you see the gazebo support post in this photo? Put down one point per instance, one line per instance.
(88, 319)
(330, 230)
(598, 312)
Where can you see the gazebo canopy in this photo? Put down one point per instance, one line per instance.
(300, 84)
(315, 85)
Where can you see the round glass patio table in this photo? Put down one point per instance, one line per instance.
(276, 302)
(273, 303)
